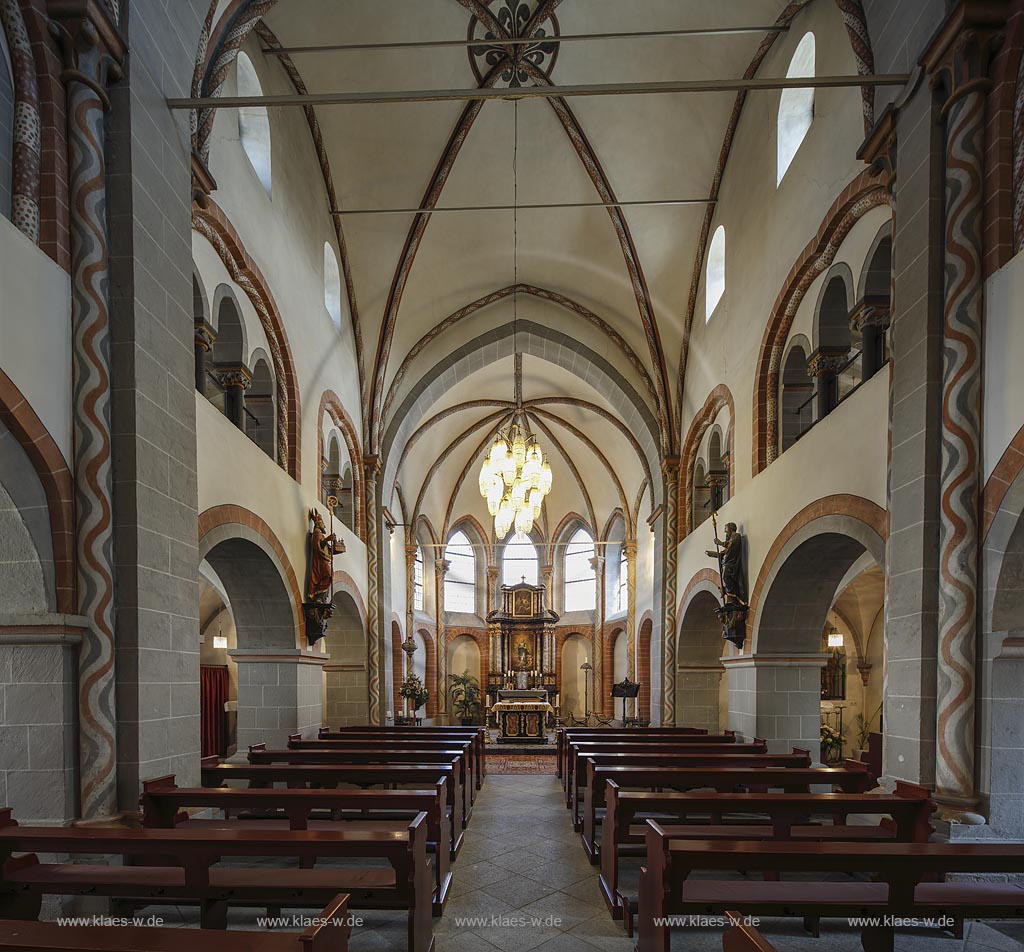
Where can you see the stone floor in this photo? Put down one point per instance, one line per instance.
(523, 884)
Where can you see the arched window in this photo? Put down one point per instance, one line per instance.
(253, 122)
(797, 403)
(519, 560)
(332, 285)
(261, 413)
(796, 106)
(6, 128)
(622, 597)
(460, 581)
(714, 282)
(580, 580)
(417, 580)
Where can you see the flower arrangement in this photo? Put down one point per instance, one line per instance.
(831, 743)
(412, 688)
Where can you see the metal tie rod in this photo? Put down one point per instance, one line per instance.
(541, 92)
(525, 40)
(510, 208)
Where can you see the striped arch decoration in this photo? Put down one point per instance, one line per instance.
(211, 222)
(330, 404)
(720, 398)
(28, 134)
(864, 193)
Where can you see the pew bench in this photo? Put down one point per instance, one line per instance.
(740, 937)
(851, 778)
(328, 933)
(184, 867)
(581, 791)
(259, 754)
(904, 818)
(477, 734)
(164, 804)
(694, 735)
(215, 773)
(907, 883)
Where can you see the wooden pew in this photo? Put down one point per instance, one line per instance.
(478, 734)
(259, 754)
(328, 933)
(186, 870)
(358, 742)
(694, 735)
(575, 749)
(328, 776)
(904, 885)
(851, 778)
(580, 789)
(163, 803)
(740, 937)
(780, 816)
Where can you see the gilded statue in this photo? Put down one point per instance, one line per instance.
(322, 550)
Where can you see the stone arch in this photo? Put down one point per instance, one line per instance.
(864, 193)
(347, 691)
(464, 655)
(211, 222)
(232, 345)
(536, 540)
(539, 341)
(795, 404)
(876, 275)
(53, 522)
(430, 668)
(397, 665)
(261, 402)
(718, 400)
(614, 667)
(331, 406)
(832, 311)
(698, 652)
(575, 692)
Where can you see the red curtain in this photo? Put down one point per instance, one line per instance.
(213, 692)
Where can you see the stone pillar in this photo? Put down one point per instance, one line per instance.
(870, 319)
(824, 365)
(280, 692)
(778, 698)
(492, 587)
(410, 607)
(205, 337)
(441, 567)
(547, 576)
(630, 549)
(600, 703)
(235, 379)
(670, 565)
(92, 50)
(958, 62)
(374, 613)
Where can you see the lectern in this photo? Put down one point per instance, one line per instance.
(625, 688)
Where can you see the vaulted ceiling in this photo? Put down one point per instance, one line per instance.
(598, 299)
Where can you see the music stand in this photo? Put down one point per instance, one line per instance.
(625, 688)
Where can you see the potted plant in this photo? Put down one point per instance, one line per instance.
(831, 744)
(864, 731)
(465, 694)
(413, 690)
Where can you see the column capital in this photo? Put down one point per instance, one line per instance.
(371, 466)
(441, 566)
(91, 44)
(597, 563)
(492, 572)
(871, 311)
(234, 375)
(670, 466)
(827, 360)
(205, 335)
(958, 58)
(629, 550)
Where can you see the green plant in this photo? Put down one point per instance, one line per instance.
(831, 743)
(864, 727)
(413, 689)
(464, 690)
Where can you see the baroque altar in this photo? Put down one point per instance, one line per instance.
(521, 683)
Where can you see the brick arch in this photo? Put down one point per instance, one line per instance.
(857, 508)
(212, 223)
(644, 674)
(330, 404)
(700, 580)
(228, 515)
(53, 472)
(864, 193)
(611, 636)
(343, 582)
(397, 661)
(1009, 467)
(720, 398)
(430, 668)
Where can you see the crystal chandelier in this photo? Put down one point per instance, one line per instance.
(515, 477)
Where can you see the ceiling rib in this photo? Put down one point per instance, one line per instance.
(526, 40)
(541, 92)
(531, 207)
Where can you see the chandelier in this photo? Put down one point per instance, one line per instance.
(514, 478)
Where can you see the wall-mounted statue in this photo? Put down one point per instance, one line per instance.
(734, 609)
(320, 580)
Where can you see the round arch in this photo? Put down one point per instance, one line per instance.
(698, 652)
(719, 399)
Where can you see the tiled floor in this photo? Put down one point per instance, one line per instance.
(522, 883)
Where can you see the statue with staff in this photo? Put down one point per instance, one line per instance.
(733, 613)
(323, 547)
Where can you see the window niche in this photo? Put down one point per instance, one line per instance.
(796, 108)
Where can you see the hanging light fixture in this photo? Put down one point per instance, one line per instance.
(515, 477)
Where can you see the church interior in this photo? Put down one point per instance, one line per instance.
(511, 474)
